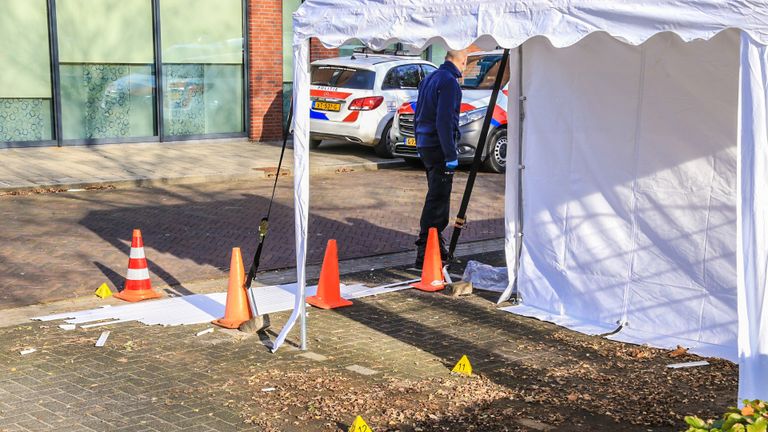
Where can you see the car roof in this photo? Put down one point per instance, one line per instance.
(492, 52)
(369, 61)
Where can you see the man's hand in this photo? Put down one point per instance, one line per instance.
(452, 165)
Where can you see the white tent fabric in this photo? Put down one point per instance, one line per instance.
(752, 232)
(659, 199)
(630, 188)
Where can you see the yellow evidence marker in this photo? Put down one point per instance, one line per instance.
(463, 366)
(359, 425)
(103, 291)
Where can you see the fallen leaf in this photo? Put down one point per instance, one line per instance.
(678, 352)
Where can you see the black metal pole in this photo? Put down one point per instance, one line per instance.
(479, 151)
(264, 223)
(158, 47)
(53, 37)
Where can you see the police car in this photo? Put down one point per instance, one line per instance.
(355, 98)
(477, 86)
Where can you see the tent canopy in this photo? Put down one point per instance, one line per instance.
(656, 216)
(509, 23)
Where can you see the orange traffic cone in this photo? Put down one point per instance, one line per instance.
(237, 310)
(137, 284)
(329, 289)
(432, 269)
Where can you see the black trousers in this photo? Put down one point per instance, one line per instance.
(435, 213)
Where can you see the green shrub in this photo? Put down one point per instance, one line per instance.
(752, 418)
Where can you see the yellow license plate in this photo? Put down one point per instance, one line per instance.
(411, 142)
(327, 106)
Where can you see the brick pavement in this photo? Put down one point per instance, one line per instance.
(59, 246)
(165, 379)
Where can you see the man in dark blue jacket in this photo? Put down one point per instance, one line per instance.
(437, 132)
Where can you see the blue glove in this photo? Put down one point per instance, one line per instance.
(452, 165)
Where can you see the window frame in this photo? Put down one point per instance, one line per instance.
(159, 118)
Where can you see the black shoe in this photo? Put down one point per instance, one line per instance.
(419, 263)
(453, 262)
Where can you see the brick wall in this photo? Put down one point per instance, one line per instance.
(265, 75)
(317, 51)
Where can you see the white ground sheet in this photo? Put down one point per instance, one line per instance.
(203, 308)
(630, 189)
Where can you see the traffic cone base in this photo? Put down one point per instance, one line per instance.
(237, 310)
(228, 323)
(329, 288)
(317, 301)
(137, 295)
(432, 269)
(436, 285)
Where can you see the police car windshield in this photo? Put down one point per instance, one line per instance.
(481, 72)
(343, 77)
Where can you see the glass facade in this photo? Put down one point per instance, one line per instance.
(113, 59)
(202, 66)
(26, 109)
(106, 62)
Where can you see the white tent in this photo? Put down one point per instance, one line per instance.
(645, 152)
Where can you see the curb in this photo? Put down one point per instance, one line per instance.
(22, 314)
(259, 173)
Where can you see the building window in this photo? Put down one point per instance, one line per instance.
(202, 54)
(111, 66)
(106, 63)
(25, 80)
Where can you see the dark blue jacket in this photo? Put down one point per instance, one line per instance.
(437, 110)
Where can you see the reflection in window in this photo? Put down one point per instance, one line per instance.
(202, 56)
(107, 68)
(402, 77)
(481, 71)
(349, 78)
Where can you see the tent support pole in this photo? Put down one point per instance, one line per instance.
(515, 298)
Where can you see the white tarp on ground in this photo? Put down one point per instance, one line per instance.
(634, 215)
(204, 308)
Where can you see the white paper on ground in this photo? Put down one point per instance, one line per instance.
(202, 308)
(102, 339)
(688, 364)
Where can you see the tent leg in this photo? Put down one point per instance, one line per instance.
(303, 318)
(515, 297)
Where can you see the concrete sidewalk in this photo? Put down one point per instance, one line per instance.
(153, 164)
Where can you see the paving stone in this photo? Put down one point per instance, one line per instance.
(362, 370)
(313, 356)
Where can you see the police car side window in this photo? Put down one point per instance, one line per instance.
(390, 82)
(402, 77)
(427, 69)
(410, 76)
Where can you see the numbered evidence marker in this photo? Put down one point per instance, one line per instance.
(359, 425)
(103, 291)
(463, 366)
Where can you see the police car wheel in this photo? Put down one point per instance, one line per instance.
(385, 146)
(314, 143)
(496, 160)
